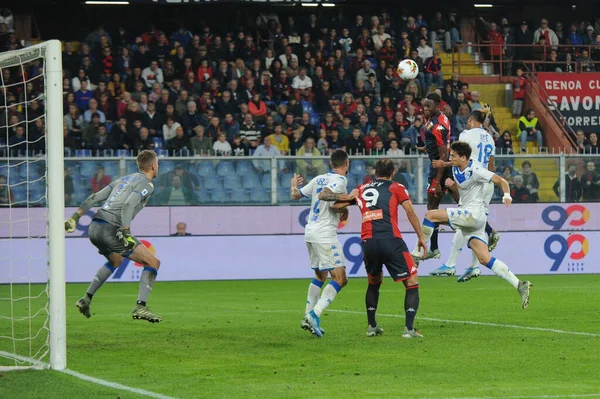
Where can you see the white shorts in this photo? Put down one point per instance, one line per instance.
(325, 256)
(470, 223)
(488, 194)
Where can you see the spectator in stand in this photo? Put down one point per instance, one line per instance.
(519, 192)
(529, 128)
(593, 146)
(520, 84)
(307, 167)
(90, 131)
(504, 144)
(143, 141)
(101, 141)
(257, 108)
(462, 118)
(585, 63)
(221, 147)
(6, 194)
(83, 96)
(200, 145)
(371, 139)
(461, 101)
(581, 141)
(439, 27)
(590, 182)
(508, 49)
(355, 144)
(18, 142)
(280, 140)
(475, 104)
(497, 40)
(152, 74)
(176, 194)
(74, 122)
(574, 38)
(265, 150)
(169, 129)
(93, 109)
(366, 71)
(573, 187)
(230, 126)
(546, 32)
(433, 70)
(99, 180)
(180, 144)
(424, 51)
(530, 181)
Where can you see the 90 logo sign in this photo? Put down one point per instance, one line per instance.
(576, 245)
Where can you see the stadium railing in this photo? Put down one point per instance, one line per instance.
(266, 181)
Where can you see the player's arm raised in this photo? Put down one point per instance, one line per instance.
(506, 198)
(296, 181)
(102, 195)
(438, 163)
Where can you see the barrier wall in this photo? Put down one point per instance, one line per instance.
(284, 256)
(266, 220)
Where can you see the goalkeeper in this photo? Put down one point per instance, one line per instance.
(110, 232)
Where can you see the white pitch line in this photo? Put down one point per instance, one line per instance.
(94, 380)
(478, 323)
(574, 395)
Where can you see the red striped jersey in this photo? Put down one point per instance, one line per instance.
(437, 134)
(378, 202)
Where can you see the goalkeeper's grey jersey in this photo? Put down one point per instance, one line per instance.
(135, 188)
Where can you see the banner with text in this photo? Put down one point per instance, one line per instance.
(283, 257)
(576, 96)
(265, 220)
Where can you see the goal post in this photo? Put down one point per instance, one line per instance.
(34, 177)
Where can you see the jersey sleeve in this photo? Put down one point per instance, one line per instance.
(399, 191)
(144, 189)
(482, 175)
(441, 131)
(308, 189)
(339, 185)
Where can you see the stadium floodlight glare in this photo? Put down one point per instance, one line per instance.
(106, 3)
(328, 4)
(483, 5)
(310, 4)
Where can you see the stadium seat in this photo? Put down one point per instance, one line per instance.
(206, 169)
(162, 152)
(19, 194)
(225, 168)
(315, 119)
(212, 183)
(219, 196)
(166, 166)
(259, 195)
(111, 168)
(266, 180)
(408, 179)
(244, 168)
(203, 195)
(131, 167)
(232, 182)
(37, 193)
(285, 180)
(239, 195)
(83, 153)
(158, 143)
(251, 181)
(123, 153)
(358, 168)
(87, 169)
(307, 106)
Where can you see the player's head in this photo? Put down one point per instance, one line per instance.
(339, 162)
(460, 152)
(384, 169)
(147, 162)
(478, 117)
(431, 105)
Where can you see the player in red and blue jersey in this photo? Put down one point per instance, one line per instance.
(437, 142)
(382, 243)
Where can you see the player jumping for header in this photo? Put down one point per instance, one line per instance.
(324, 249)
(469, 218)
(110, 232)
(482, 151)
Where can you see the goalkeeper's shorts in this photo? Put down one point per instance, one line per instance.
(104, 237)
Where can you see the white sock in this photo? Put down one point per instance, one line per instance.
(428, 227)
(458, 242)
(329, 293)
(314, 289)
(503, 272)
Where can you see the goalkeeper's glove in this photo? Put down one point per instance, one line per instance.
(125, 236)
(71, 223)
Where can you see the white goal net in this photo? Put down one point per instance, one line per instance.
(32, 297)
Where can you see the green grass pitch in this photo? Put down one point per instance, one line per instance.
(242, 339)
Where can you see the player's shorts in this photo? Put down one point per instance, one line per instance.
(104, 237)
(391, 252)
(325, 256)
(488, 193)
(432, 179)
(470, 223)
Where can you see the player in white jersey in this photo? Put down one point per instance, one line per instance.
(469, 218)
(324, 249)
(482, 151)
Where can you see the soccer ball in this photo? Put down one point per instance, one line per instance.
(408, 69)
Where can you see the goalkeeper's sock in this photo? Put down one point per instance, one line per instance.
(146, 282)
(99, 279)
(411, 305)
(502, 271)
(329, 293)
(314, 289)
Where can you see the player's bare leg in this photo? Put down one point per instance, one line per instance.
(142, 255)
(411, 306)
(338, 281)
(314, 292)
(433, 203)
(371, 302)
(103, 274)
(501, 270)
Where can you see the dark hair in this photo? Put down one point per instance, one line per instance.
(480, 115)
(338, 158)
(434, 97)
(526, 163)
(384, 168)
(461, 148)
